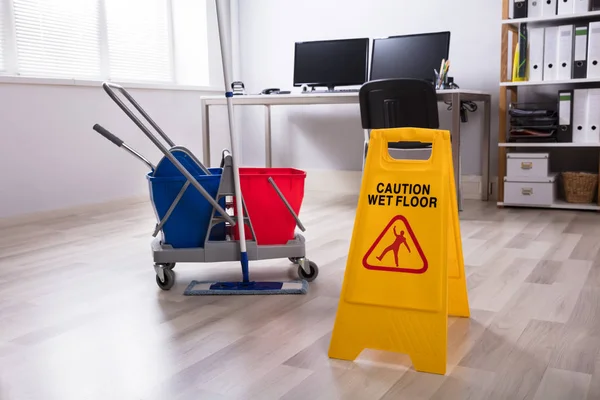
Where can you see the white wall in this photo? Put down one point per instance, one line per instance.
(50, 158)
(330, 137)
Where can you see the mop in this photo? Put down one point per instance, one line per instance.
(246, 286)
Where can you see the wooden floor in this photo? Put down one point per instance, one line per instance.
(82, 318)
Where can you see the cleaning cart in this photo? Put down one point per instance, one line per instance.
(205, 214)
(196, 209)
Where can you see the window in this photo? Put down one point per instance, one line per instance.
(57, 38)
(138, 40)
(2, 36)
(145, 41)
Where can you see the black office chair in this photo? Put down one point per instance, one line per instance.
(398, 103)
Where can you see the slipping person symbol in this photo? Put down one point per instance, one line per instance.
(395, 247)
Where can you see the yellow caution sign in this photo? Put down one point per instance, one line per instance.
(405, 269)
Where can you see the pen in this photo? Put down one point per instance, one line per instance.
(445, 72)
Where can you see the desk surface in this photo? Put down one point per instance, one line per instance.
(329, 98)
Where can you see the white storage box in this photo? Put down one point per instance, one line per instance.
(530, 191)
(531, 165)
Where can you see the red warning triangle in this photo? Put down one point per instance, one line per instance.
(396, 249)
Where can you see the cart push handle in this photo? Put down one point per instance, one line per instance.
(108, 88)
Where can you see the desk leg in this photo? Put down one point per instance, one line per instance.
(455, 134)
(268, 148)
(205, 134)
(485, 151)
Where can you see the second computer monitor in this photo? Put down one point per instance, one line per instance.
(410, 56)
(331, 63)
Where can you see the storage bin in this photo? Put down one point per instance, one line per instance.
(532, 165)
(528, 191)
(271, 220)
(579, 187)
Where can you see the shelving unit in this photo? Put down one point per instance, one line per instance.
(546, 83)
(509, 93)
(554, 18)
(542, 145)
(559, 204)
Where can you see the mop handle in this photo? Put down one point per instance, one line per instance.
(226, 58)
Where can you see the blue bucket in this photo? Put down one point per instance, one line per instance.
(188, 224)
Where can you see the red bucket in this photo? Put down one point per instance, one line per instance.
(271, 220)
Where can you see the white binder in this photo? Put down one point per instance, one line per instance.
(565, 52)
(581, 6)
(534, 8)
(551, 53)
(565, 115)
(580, 51)
(593, 116)
(548, 7)
(536, 54)
(593, 59)
(565, 7)
(580, 114)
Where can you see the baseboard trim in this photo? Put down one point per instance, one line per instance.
(343, 182)
(23, 219)
(330, 181)
(348, 182)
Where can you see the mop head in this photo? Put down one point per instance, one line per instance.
(196, 288)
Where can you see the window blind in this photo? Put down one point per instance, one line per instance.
(144, 41)
(139, 40)
(191, 42)
(3, 27)
(57, 38)
(2, 40)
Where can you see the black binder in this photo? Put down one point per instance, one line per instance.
(520, 9)
(523, 46)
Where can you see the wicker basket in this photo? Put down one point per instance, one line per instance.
(580, 187)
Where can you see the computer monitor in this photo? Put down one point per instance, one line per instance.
(331, 63)
(409, 56)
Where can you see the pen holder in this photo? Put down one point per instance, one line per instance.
(447, 83)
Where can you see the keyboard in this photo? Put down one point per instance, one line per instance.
(332, 91)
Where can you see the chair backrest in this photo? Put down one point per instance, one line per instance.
(398, 103)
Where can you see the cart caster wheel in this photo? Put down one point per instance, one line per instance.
(294, 260)
(169, 265)
(314, 271)
(169, 279)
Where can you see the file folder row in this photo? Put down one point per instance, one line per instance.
(578, 115)
(564, 52)
(547, 8)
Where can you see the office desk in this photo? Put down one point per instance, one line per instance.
(454, 96)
